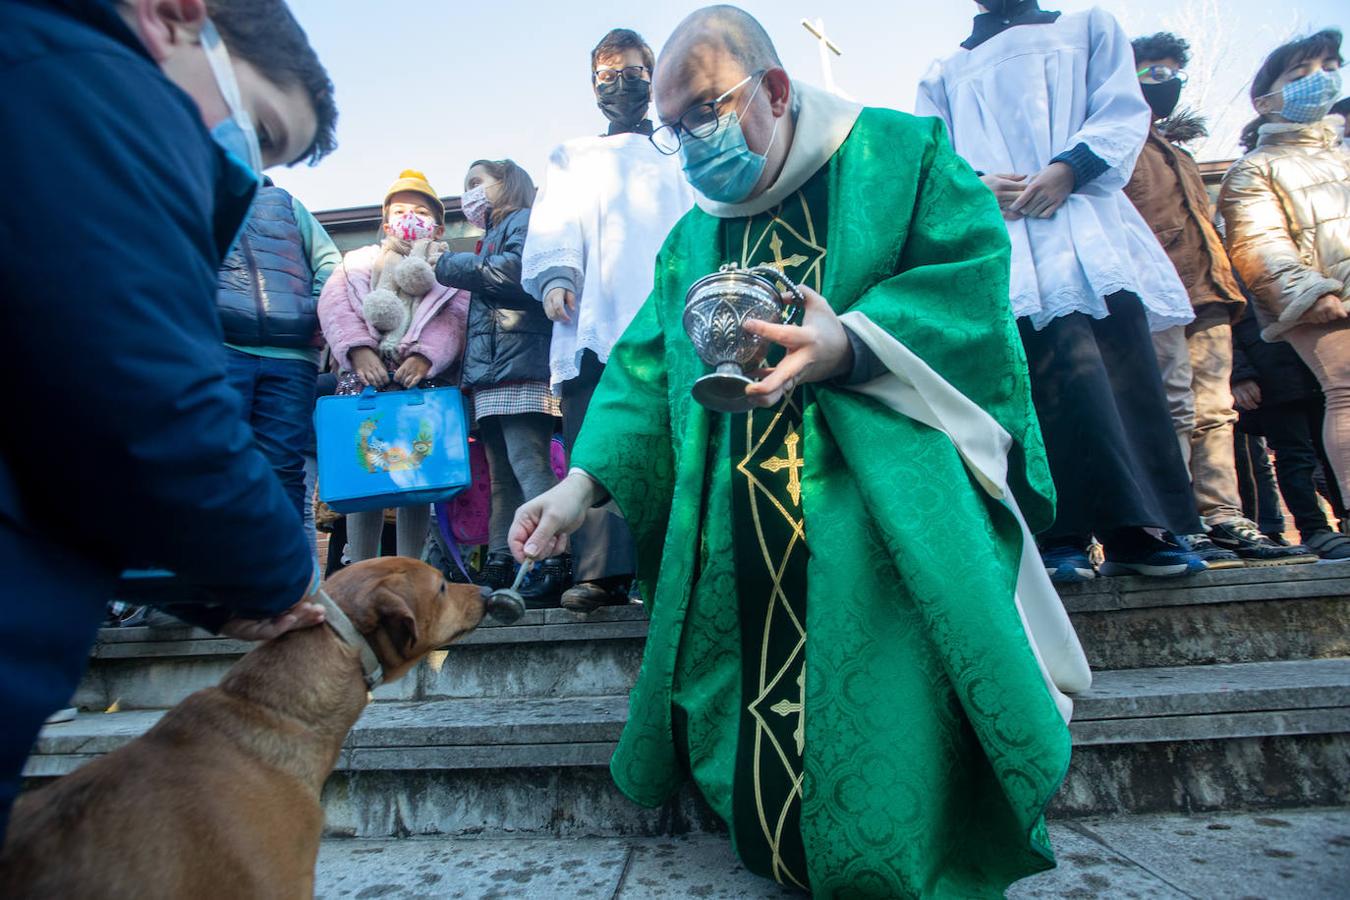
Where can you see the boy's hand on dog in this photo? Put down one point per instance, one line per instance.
(302, 615)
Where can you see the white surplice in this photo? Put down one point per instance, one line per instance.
(603, 212)
(1025, 96)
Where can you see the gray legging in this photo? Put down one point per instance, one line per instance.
(364, 530)
(517, 449)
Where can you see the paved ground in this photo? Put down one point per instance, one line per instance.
(1286, 855)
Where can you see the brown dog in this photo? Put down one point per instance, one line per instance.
(221, 797)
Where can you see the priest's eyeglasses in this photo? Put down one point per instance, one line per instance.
(700, 121)
(1160, 74)
(627, 73)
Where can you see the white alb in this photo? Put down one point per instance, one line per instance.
(1025, 96)
(602, 214)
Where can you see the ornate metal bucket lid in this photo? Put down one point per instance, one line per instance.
(736, 280)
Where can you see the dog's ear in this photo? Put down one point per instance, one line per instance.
(396, 619)
(381, 609)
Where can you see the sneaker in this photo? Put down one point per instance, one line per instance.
(1244, 539)
(1067, 564)
(1277, 539)
(1331, 546)
(61, 715)
(588, 596)
(1215, 557)
(1134, 551)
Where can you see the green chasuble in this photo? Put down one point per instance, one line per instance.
(835, 655)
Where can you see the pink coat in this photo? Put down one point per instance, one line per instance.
(438, 323)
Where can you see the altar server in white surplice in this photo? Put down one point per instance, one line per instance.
(1048, 109)
(603, 212)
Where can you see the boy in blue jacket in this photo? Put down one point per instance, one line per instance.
(124, 444)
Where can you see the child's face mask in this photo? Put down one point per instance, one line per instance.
(411, 226)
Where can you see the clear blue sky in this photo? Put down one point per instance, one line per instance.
(435, 85)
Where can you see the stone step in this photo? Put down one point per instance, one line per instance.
(1185, 739)
(1244, 615)
(1229, 616)
(548, 653)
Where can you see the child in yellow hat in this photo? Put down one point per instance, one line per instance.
(391, 325)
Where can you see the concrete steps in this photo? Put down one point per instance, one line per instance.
(548, 653)
(1235, 615)
(1230, 690)
(1246, 735)
(1244, 615)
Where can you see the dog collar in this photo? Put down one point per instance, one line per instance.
(338, 621)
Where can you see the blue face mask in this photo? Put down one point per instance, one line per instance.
(236, 134)
(242, 171)
(1310, 98)
(722, 167)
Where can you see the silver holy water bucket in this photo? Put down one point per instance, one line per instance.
(715, 311)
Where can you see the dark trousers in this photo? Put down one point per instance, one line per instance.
(279, 405)
(1256, 483)
(1294, 432)
(1108, 433)
(602, 548)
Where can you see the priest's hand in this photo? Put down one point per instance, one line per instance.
(558, 303)
(542, 525)
(1007, 189)
(1046, 193)
(817, 350)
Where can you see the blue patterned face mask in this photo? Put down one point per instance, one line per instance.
(1310, 98)
(722, 167)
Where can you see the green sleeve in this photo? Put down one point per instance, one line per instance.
(323, 254)
(948, 301)
(626, 442)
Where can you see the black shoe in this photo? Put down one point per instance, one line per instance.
(589, 596)
(1215, 557)
(1244, 539)
(546, 582)
(498, 572)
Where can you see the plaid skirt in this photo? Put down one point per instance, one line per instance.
(514, 399)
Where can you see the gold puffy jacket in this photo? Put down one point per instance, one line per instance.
(1286, 215)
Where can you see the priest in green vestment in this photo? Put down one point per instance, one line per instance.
(855, 652)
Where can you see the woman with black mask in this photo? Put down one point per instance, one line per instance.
(603, 213)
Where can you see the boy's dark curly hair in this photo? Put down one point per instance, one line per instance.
(266, 34)
(1163, 45)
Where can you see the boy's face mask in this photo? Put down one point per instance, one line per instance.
(242, 169)
(236, 134)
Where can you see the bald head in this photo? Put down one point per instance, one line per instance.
(721, 53)
(717, 35)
